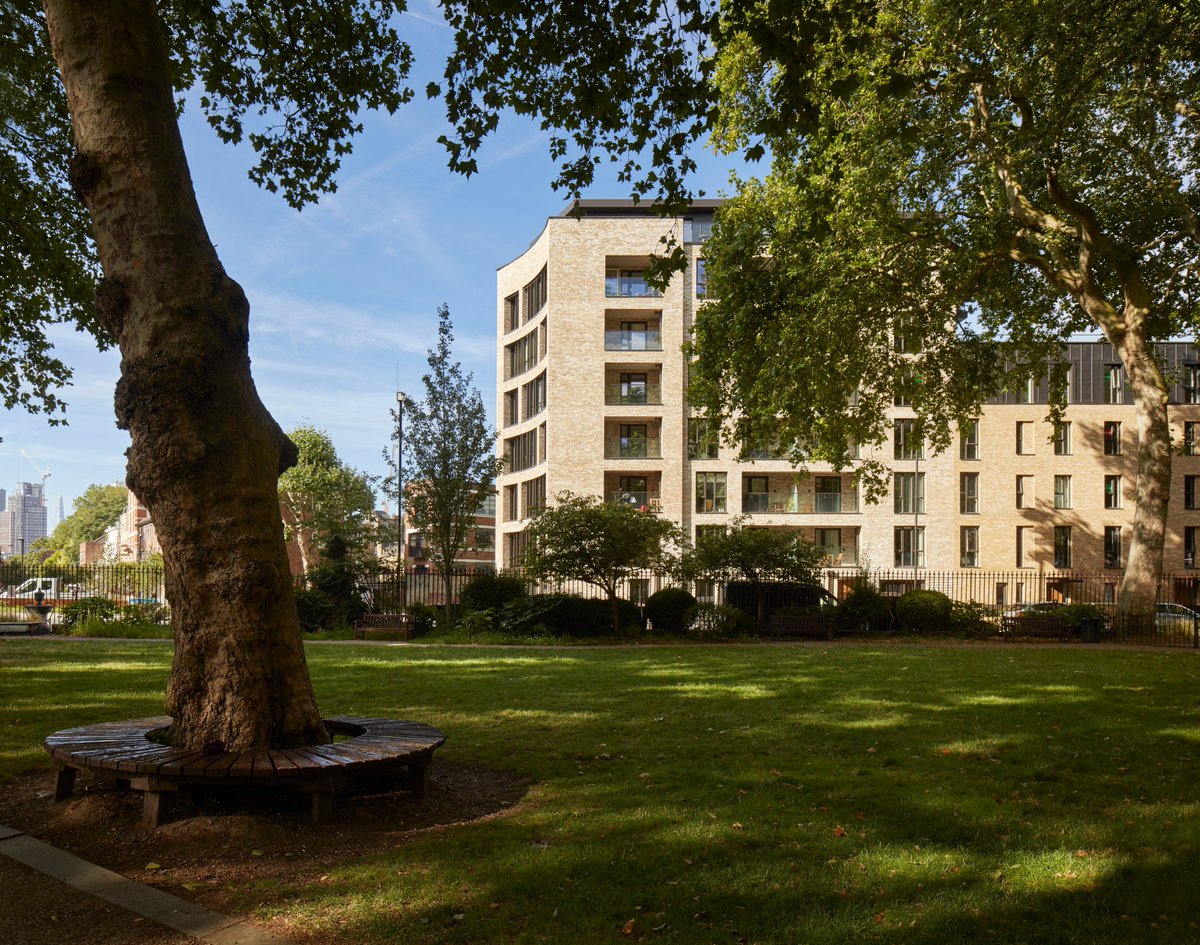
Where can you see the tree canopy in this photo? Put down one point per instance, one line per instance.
(288, 79)
(448, 460)
(322, 499)
(582, 538)
(980, 182)
(94, 512)
(757, 555)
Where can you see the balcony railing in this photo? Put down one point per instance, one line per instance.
(632, 447)
(630, 285)
(633, 341)
(625, 394)
(639, 500)
(791, 503)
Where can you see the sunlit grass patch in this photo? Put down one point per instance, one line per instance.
(768, 795)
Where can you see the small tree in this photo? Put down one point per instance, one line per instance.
(757, 555)
(448, 461)
(323, 500)
(581, 538)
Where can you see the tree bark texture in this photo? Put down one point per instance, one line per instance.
(1143, 568)
(206, 455)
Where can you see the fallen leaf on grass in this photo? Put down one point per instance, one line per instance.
(839, 831)
(153, 866)
(627, 928)
(737, 826)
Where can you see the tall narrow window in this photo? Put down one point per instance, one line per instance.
(1023, 547)
(1062, 546)
(968, 546)
(710, 492)
(1024, 438)
(1189, 439)
(1062, 492)
(1191, 383)
(1112, 492)
(1062, 438)
(1027, 392)
(1112, 437)
(1024, 492)
(702, 439)
(968, 440)
(909, 549)
(908, 493)
(907, 444)
(968, 493)
(1114, 384)
(1112, 546)
(701, 280)
(512, 312)
(1189, 491)
(1189, 546)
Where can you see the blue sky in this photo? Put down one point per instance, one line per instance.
(344, 295)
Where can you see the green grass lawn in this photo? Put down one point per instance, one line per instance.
(778, 794)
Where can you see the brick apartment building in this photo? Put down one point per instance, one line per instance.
(590, 395)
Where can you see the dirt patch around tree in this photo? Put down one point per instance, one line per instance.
(230, 839)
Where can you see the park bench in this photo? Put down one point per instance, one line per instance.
(1041, 626)
(383, 627)
(806, 625)
(125, 752)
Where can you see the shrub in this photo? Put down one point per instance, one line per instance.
(1072, 615)
(971, 619)
(337, 581)
(719, 622)
(924, 611)
(490, 591)
(865, 610)
(565, 615)
(145, 613)
(88, 609)
(667, 609)
(314, 608)
(472, 623)
(425, 619)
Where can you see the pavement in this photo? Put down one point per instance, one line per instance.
(48, 867)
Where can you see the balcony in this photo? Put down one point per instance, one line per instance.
(633, 393)
(793, 503)
(648, 340)
(632, 447)
(648, 501)
(628, 284)
(837, 557)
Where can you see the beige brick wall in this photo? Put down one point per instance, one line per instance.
(577, 418)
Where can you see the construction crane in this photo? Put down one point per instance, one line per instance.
(44, 473)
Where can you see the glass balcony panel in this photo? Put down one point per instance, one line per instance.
(632, 340)
(640, 500)
(793, 503)
(620, 447)
(628, 285)
(633, 394)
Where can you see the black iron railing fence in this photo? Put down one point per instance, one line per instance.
(999, 594)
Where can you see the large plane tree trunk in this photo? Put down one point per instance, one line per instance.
(1143, 569)
(206, 454)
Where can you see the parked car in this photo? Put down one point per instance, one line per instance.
(1040, 607)
(1175, 618)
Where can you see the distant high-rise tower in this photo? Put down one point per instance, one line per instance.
(61, 513)
(23, 519)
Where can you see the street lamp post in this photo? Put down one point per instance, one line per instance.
(400, 576)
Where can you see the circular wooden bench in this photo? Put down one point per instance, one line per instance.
(122, 751)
